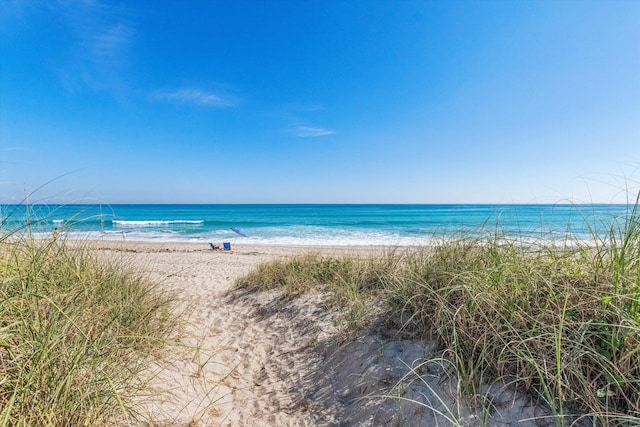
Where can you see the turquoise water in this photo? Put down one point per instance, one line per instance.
(309, 225)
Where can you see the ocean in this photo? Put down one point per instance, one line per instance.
(311, 225)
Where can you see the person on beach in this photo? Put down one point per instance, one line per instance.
(55, 233)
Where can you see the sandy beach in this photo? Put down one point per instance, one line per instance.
(257, 358)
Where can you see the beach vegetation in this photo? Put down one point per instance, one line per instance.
(559, 321)
(76, 332)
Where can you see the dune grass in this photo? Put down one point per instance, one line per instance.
(561, 322)
(75, 332)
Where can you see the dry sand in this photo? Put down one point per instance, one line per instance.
(259, 359)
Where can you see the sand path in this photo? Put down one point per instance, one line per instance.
(239, 364)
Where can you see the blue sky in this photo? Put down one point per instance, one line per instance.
(319, 101)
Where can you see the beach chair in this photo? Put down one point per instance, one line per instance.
(226, 246)
(214, 247)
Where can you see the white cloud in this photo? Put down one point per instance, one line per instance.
(306, 132)
(195, 96)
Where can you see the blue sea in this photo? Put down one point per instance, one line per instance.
(311, 225)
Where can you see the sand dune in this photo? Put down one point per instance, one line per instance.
(256, 358)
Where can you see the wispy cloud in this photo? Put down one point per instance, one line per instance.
(111, 42)
(99, 52)
(196, 97)
(310, 132)
(299, 115)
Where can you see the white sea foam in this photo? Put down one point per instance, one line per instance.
(155, 223)
(379, 239)
(386, 241)
(275, 239)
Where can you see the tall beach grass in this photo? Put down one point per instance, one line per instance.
(75, 333)
(560, 322)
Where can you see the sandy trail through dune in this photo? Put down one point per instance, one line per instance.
(252, 358)
(235, 367)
